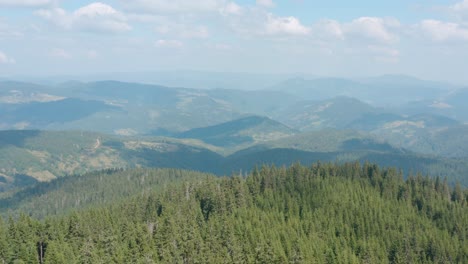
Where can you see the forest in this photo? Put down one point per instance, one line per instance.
(322, 213)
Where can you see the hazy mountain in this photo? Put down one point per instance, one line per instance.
(448, 141)
(246, 130)
(42, 114)
(332, 113)
(181, 78)
(329, 140)
(379, 91)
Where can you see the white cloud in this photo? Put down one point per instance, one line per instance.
(57, 16)
(285, 25)
(60, 53)
(169, 43)
(95, 17)
(8, 31)
(443, 31)
(459, 10)
(372, 28)
(183, 30)
(266, 3)
(329, 29)
(231, 9)
(26, 3)
(173, 6)
(4, 59)
(460, 6)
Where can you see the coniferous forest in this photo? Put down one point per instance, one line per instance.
(323, 213)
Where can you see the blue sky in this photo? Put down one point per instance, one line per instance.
(426, 39)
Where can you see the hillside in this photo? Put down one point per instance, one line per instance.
(246, 130)
(337, 112)
(30, 156)
(331, 140)
(322, 213)
(124, 108)
(90, 190)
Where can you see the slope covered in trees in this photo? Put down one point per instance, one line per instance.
(324, 213)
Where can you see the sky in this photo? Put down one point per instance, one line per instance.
(426, 39)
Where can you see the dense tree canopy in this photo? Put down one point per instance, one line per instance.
(324, 213)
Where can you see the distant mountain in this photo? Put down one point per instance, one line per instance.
(182, 78)
(449, 141)
(42, 114)
(382, 121)
(379, 91)
(246, 130)
(329, 140)
(320, 88)
(125, 108)
(337, 112)
(128, 108)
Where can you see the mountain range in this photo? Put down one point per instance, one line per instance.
(225, 131)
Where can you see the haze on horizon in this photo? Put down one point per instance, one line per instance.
(426, 39)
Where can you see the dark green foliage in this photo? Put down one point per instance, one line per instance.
(97, 188)
(325, 213)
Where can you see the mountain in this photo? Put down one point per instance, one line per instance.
(422, 133)
(30, 156)
(125, 108)
(128, 108)
(329, 140)
(449, 141)
(332, 113)
(385, 90)
(246, 130)
(43, 114)
(323, 213)
(318, 89)
(27, 157)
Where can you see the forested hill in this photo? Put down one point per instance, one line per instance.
(324, 213)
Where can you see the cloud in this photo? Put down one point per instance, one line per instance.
(372, 28)
(266, 3)
(231, 9)
(4, 59)
(460, 6)
(173, 6)
(443, 31)
(7, 31)
(169, 43)
(26, 3)
(285, 25)
(183, 30)
(328, 28)
(459, 10)
(95, 17)
(60, 53)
